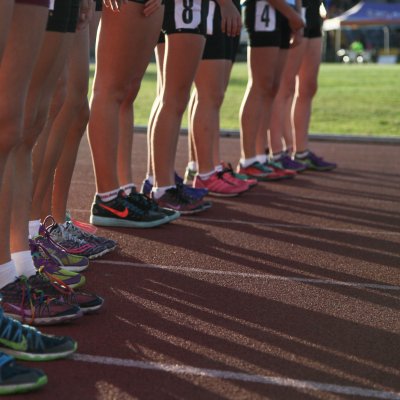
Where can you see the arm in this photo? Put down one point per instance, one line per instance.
(231, 19)
(151, 6)
(295, 21)
(86, 11)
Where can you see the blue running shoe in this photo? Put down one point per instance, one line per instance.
(15, 378)
(196, 193)
(25, 342)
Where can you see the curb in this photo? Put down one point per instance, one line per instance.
(316, 137)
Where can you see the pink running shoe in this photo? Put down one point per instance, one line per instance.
(221, 184)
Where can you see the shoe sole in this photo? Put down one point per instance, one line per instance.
(47, 320)
(22, 387)
(88, 310)
(25, 356)
(120, 223)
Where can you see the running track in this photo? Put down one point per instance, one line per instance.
(291, 291)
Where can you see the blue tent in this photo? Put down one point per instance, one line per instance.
(363, 14)
(366, 13)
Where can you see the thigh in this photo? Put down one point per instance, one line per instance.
(125, 43)
(183, 55)
(6, 12)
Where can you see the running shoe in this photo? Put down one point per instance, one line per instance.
(51, 268)
(146, 203)
(69, 242)
(120, 212)
(15, 378)
(196, 193)
(104, 245)
(228, 168)
(259, 171)
(87, 302)
(221, 184)
(189, 176)
(177, 199)
(21, 302)
(287, 163)
(315, 163)
(25, 342)
(279, 169)
(70, 262)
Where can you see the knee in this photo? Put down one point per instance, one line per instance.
(10, 131)
(309, 90)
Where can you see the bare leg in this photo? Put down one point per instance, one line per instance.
(308, 83)
(210, 88)
(67, 130)
(261, 89)
(15, 74)
(116, 77)
(159, 52)
(183, 54)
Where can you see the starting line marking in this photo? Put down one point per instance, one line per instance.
(238, 376)
(253, 275)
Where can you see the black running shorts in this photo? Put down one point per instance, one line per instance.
(185, 16)
(219, 46)
(63, 15)
(99, 5)
(43, 3)
(266, 26)
(313, 28)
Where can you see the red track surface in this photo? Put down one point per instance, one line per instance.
(260, 295)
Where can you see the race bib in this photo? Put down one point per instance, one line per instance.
(187, 14)
(210, 18)
(265, 18)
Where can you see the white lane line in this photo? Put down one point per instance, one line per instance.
(273, 225)
(238, 376)
(252, 275)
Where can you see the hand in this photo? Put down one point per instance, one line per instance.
(296, 22)
(115, 5)
(296, 38)
(86, 11)
(231, 19)
(151, 6)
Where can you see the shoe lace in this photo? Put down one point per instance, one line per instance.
(36, 299)
(45, 279)
(83, 226)
(71, 234)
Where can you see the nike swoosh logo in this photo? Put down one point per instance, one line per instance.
(121, 214)
(21, 346)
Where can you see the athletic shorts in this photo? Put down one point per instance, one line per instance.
(63, 15)
(313, 28)
(266, 26)
(219, 46)
(43, 3)
(161, 38)
(185, 16)
(99, 5)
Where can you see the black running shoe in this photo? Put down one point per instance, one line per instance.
(146, 203)
(123, 213)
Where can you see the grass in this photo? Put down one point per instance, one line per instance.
(351, 99)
